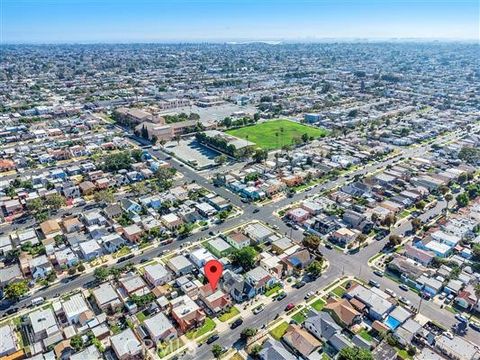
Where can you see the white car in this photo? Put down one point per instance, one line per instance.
(404, 300)
(309, 294)
(258, 309)
(391, 293)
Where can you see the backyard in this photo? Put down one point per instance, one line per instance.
(275, 134)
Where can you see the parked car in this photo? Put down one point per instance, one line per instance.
(258, 309)
(281, 296)
(299, 284)
(378, 273)
(236, 323)
(289, 307)
(403, 287)
(256, 210)
(309, 294)
(373, 283)
(404, 300)
(212, 338)
(475, 326)
(461, 318)
(391, 293)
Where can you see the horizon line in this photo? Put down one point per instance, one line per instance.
(245, 41)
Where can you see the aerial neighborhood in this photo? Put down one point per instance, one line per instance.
(337, 184)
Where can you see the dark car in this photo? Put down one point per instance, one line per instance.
(236, 323)
(281, 296)
(12, 311)
(256, 210)
(475, 326)
(212, 338)
(299, 285)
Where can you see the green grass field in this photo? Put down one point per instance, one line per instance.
(265, 134)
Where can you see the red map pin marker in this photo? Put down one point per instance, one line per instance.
(213, 271)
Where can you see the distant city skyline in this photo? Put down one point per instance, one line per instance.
(94, 21)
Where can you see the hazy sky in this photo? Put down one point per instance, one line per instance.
(54, 21)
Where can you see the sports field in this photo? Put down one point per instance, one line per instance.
(275, 134)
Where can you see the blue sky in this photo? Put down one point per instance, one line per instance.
(54, 21)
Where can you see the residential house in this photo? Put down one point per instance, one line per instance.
(107, 298)
(324, 328)
(50, 228)
(343, 236)
(377, 306)
(273, 349)
(237, 239)
(156, 274)
(40, 267)
(74, 307)
(43, 323)
(457, 348)
(187, 313)
(301, 341)
(260, 279)
(343, 312)
(133, 232)
(90, 249)
(216, 301)
(219, 247)
(171, 221)
(126, 345)
(9, 342)
(160, 328)
(180, 265)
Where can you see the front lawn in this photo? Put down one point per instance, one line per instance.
(279, 331)
(166, 348)
(339, 291)
(232, 312)
(273, 290)
(141, 317)
(365, 335)
(318, 304)
(207, 326)
(299, 317)
(275, 134)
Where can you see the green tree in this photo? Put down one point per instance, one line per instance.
(416, 224)
(104, 196)
(245, 257)
(221, 159)
(81, 267)
(217, 351)
(255, 350)
(311, 242)
(355, 353)
(260, 155)
(314, 268)
(55, 201)
(394, 240)
(76, 342)
(101, 273)
(420, 205)
(248, 332)
(463, 200)
(15, 290)
(305, 137)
